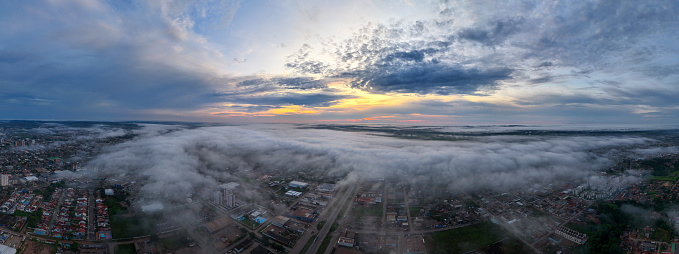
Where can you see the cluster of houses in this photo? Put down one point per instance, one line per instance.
(21, 201)
(62, 220)
(81, 216)
(103, 226)
(48, 209)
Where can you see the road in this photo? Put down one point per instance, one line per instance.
(331, 219)
(410, 220)
(341, 222)
(511, 230)
(560, 225)
(312, 228)
(56, 211)
(206, 244)
(91, 216)
(384, 207)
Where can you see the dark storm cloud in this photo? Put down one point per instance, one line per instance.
(79, 60)
(584, 33)
(280, 99)
(380, 58)
(646, 95)
(429, 78)
(540, 80)
(278, 91)
(301, 83)
(496, 34)
(439, 55)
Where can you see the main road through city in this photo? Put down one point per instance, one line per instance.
(331, 219)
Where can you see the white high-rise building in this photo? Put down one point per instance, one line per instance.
(229, 199)
(4, 180)
(228, 195)
(217, 197)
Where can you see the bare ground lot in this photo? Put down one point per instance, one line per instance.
(31, 247)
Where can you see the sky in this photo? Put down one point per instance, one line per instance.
(410, 62)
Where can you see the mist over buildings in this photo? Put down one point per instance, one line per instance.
(178, 163)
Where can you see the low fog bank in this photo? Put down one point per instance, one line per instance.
(177, 163)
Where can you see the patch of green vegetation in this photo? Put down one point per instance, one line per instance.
(537, 212)
(468, 238)
(370, 210)
(174, 242)
(415, 211)
(32, 218)
(660, 166)
(324, 245)
(48, 190)
(250, 223)
(125, 249)
(470, 203)
(347, 202)
(113, 202)
(605, 236)
(661, 234)
(320, 225)
(670, 176)
(126, 227)
(334, 227)
(308, 244)
(508, 246)
(22, 213)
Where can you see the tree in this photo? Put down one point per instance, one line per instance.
(74, 246)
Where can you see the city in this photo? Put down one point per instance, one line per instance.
(53, 204)
(339, 126)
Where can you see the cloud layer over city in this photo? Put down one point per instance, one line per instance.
(184, 162)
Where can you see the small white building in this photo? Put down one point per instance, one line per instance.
(293, 193)
(109, 192)
(155, 207)
(298, 184)
(4, 249)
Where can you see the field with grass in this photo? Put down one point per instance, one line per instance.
(324, 245)
(366, 210)
(670, 177)
(415, 211)
(174, 242)
(468, 238)
(126, 226)
(125, 249)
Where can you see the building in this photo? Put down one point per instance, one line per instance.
(229, 199)
(217, 197)
(109, 192)
(228, 194)
(4, 180)
(345, 241)
(280, 221)
(155, 207)
(327, 187)
(217, 224)
(4, 249)
(229, 186)
(293, 193)
(304, 214)
(572, 235)
(298, 184)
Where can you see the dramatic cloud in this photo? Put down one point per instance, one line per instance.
(87, 58)
(304, 61)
